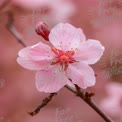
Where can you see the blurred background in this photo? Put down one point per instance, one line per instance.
(100, 20)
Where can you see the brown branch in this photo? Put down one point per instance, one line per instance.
(87, 98)
(13, 30)
(44, 103)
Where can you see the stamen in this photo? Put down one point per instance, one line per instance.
(64, 67)
(63, 58)
(70, 53)
(55, 61)
(57, 51)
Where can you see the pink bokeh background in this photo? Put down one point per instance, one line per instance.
(100, 19)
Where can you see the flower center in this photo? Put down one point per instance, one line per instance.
(63, 58)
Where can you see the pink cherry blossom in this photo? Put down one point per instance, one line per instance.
(68, 58)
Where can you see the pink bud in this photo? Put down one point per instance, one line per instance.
(42, 30)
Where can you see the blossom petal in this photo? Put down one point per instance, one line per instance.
(66, 37)
(33, 65)
(51, 80)
(89, 52)
(81, 74)
(39, 51)
(25, 52)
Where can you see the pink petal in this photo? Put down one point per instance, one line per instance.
(34, 65)
(89, 52)
(81, 74)
(37, 52)
(51, 80)
(25, 52)
(66, 36)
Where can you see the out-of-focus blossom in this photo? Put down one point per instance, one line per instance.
(40, 10)
(68, 58)
(58, 10)
(54, 12)
(29, 4)
(38, 3)
(113, 103)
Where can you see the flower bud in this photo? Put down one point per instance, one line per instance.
(42, 30)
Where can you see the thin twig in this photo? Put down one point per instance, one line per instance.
(88, 100)
(44, 103)
(13, 30)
